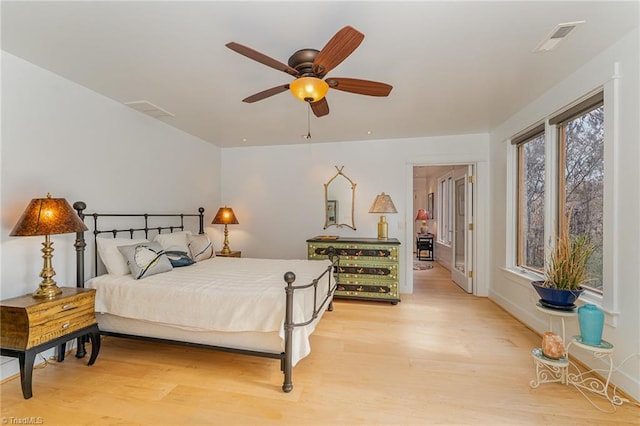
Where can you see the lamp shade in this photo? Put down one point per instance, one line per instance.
(383, 204)
(225, 216)
(422, 215)
(48, 216)
(309, 89)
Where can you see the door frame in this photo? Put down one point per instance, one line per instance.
(481, 205)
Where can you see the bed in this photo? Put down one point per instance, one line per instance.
(242, 305)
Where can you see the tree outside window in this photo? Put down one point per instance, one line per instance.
(582, 183)
(531, 181)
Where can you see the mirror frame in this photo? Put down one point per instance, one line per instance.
(326, 201)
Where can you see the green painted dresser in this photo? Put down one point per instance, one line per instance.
(368, 267)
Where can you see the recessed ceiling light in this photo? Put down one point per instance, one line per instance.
(559, 33)
(244, 139)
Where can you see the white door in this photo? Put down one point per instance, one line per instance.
(462, 244)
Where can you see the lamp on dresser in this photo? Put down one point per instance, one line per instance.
(225, 216)
(383, 204)
(47, 216)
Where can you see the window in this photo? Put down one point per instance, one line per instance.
(573, 186)
(531, 183)
(581, 181)
(445, 211)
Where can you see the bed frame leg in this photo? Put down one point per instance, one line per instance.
(287, 386)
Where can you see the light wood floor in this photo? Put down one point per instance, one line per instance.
(438, 357)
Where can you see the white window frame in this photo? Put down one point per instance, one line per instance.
(608, 300)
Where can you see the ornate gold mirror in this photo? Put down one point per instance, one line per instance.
(339, 196)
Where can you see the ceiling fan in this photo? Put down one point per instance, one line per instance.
(310, 66)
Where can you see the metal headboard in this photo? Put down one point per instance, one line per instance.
(80, 243)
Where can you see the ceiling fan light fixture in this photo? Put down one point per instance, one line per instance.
(309, 89)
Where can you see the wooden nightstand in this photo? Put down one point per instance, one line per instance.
(30, 326)
(232, 254)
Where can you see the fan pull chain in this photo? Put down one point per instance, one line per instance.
(308, 121)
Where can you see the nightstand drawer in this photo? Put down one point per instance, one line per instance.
(43, 312)
(59, 327)
(56, 327)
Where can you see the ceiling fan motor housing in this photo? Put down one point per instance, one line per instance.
(302, 61)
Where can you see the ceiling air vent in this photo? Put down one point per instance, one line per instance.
(148, 108)
(559, 33)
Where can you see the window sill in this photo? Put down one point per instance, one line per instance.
(523, 277)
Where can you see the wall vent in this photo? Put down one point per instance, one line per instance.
(559, 33)
(148, 108)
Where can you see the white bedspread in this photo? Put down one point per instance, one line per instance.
(221, 294)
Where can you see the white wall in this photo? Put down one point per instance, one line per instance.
(277, 192)
(61, 138)
(616, 66)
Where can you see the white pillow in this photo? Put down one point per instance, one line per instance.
(113, 260)
(175, 241)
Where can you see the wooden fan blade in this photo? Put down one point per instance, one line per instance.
(262, 58)
(361, 87)
(266, 93)
(320, 108)
(341, 45)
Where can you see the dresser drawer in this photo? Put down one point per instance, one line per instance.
(353, 251)
(366, 292)
(361, 269)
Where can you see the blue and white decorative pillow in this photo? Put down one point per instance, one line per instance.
(200, 247)
(145, 259)
(179, 258)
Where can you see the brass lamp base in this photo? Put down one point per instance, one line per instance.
(383, 229)
(225, 246)
(47, 291)
(48, 288)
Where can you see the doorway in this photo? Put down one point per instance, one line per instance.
(449, 192)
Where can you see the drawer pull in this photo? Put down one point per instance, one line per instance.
(65, 326)
(67, 306)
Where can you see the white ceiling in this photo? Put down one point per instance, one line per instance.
(456, 67)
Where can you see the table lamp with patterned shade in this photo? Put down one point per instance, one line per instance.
(48, 216)
(383, 204)
(423, 215)
(225, 216)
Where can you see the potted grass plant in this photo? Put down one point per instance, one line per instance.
(566, 270)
